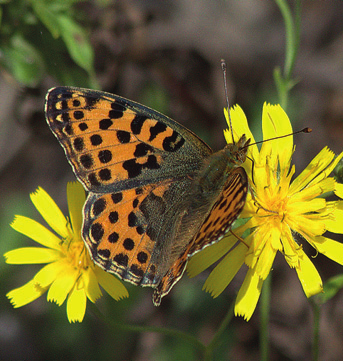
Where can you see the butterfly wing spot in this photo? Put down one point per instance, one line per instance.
(105, 124)
(79, 144)
(134, 167)
(128, 244)
(137, 123)
(95, 139)
(157, 129)
(117, 110)
(123, 136)
(117, 197)
(97, 232)
(113, 217)
(173, 142)
(105, 156)
(142, 257)
(113, 237)
(98, 207)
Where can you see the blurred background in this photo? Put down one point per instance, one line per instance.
(166, 55)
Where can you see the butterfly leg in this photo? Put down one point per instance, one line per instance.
(238, 237)
(257, 204)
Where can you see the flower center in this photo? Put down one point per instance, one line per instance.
(274, 206)
(76, 253)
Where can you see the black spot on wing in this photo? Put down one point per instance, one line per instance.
(137, 123)
(157, 129)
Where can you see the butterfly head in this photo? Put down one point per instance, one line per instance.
(237, 152)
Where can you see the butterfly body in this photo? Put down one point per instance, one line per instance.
(156, 192)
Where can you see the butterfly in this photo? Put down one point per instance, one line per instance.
(157, 193)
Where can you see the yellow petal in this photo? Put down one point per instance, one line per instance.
(36, 231)
(76, 304)
(314, 190)
(49, 273)
(275, 242)
(329, 248)
(111, 284)
(259, 240)
(62, 285)
(31, 255)
(335, 224)
(49, 210)
(248, 295)
(275, 123)
(224, 272)
(303, 224)
(308, 275)
(314, 172)
(25, 294)
(203, 259)
(240, 127)
(265, 261)
(313, 205)
(290, 247)
(339, 190)
(92, 288)
(76, 199)
(239, 124)
(332, 165)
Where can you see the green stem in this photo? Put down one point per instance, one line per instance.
(206, 351)
(291, 40)
(284, 82)
(264, 315)
(162, 330)
(216, 338)
(316, 308)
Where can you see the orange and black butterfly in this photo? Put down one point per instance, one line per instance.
(157, 193)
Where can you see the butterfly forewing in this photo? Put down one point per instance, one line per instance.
(113, 143)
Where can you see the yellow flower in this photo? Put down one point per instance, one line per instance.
(70, 273)
(281, 216)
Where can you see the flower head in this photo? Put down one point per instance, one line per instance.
(70, 273)
(280, 214)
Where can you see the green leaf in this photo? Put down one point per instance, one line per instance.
(47, 17)
(77, 43)
(331, 287)
(23, 61)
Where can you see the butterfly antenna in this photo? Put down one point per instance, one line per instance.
(223, 65)
(305, 130)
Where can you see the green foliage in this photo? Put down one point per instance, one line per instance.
(43, 37)
(331, 287)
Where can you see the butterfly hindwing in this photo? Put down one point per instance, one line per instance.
(118, 234)
(134, 233)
